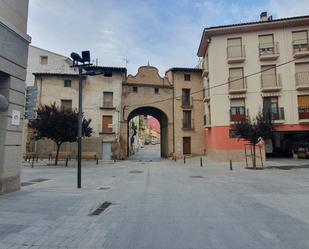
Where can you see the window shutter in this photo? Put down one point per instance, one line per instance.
(237, 102)
(266, 41)
(303, 101)
(233, 42)
(301, 67)
(300, 37)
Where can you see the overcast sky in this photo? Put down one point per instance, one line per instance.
(164, 32)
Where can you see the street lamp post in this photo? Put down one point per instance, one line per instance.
(81, 62)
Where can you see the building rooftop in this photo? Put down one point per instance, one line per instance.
(184, 69)
(56, 74)
(269, 23)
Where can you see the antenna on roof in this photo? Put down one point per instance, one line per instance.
(126, 61)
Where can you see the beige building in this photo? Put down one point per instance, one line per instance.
(44, 61)
(229, 54)
(169, 100)
(101, 103)
(14, 43)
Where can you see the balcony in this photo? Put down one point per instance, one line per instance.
(188, 124)
(300, 48)
(268, 51)
(237, 113)
(303, 115)
(207, 121)
(302, 80)
(187, 104)
(237, 84)
(206, 95)
(270, 82)
(277, 115)
(236, 54)
(205, 68)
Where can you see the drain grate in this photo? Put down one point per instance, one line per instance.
(39, 180)
(135, 172)
(101, 208)
(104, 188)
(197, 176)
(23, 184)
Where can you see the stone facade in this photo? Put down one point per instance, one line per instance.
(52, 89)
(14, 43)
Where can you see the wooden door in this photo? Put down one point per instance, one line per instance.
(186, 145)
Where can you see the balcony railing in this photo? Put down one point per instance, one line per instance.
(300, 48)
(236, 54)
(207, 121)
(187, 104)
(269, 51)
(302, 80)
(303, 112)
(188, 124)
(238, 113)
(270, 82)
(237, 84)
(274, 115)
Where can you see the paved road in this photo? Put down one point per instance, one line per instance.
(147, 154)
(158, 205)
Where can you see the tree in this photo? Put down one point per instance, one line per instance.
(261, 127)
(59, 125)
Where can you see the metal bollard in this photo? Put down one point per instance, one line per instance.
(184, 159)
(97, 161)
(231, 165)
(66, 162)
(32, 162)
(201, 162)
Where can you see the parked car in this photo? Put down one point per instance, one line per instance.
(153, 142)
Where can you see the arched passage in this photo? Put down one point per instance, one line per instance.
(163, 120)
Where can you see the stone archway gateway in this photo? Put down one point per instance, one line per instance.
(171, 101)
(142, 94)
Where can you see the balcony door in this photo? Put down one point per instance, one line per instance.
(266, 44)
(303, 106)
(270, 107)
(302, 73)
(185, 97)
(238, 110)
(268, 76)
(300, 40)
(236, 78)
(234, 47)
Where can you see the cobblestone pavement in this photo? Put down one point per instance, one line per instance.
(157, 205)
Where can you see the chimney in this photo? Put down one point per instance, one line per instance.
(263, 17)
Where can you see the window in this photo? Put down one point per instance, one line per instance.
(303, 106)
(187, 77)
(187, 122)
(238, 110)
(269, 76)
(107, 124)
(66, 104)
(300, 40)
(266, 44)
(44, 60)
(156, 90)
(236, 78)
(186, 97)
(67, 83)
(108, 74)
(302, 73)
(107, 99)
(234, 47)
(135, 89)
(270, 107)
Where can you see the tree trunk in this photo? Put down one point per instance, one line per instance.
(57, 154)
(254, 156)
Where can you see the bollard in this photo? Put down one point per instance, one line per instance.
(231, 165)
(32, 162)
(66, 162)
(184, 159)
(97, 161)
(201, 162)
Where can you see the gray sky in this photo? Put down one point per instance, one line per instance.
(164, 32)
